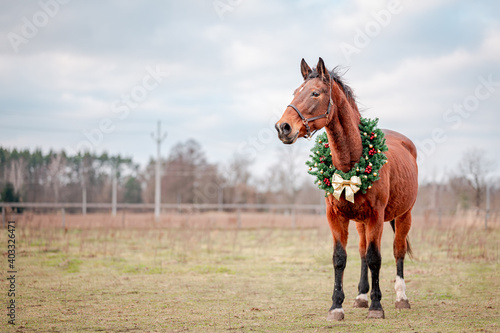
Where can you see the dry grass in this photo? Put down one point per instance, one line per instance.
(193, 219)
(208, 277)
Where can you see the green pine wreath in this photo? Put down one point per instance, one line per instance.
(367, 169)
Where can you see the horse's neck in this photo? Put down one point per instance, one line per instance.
(343, 132)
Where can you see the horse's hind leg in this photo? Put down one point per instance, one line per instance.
(402, 227)
(361, 300)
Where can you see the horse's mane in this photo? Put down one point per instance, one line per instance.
(337, 77)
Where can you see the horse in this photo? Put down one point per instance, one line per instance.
(324, 100)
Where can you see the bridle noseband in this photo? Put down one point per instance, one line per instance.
(306, 121)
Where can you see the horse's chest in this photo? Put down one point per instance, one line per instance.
(358, 211)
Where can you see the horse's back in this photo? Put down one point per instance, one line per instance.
(396, 140)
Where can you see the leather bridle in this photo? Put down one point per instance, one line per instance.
(306, 121)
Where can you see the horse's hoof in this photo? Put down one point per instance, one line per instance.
(335, 315)
(403, 304)
(360, 303)
(376, 314)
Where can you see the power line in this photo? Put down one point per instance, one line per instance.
(63, 130)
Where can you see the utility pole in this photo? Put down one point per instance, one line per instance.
(84, 187)
(84, 201)
(158, 138)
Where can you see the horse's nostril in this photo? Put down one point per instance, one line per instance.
(286, 128)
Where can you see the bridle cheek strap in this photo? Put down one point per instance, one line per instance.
(306, 121)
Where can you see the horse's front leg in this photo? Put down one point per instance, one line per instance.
(339, 227)
(361, 300)
(374, 260)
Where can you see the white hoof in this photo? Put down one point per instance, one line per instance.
(335, 315)
(361, 301)
(376, 314)
(403, 304)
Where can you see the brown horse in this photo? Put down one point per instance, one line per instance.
(324, 100)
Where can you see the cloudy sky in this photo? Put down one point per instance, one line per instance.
(98, 75)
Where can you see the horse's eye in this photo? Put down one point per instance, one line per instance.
(315, 94)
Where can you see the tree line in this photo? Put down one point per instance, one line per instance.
(188, 177)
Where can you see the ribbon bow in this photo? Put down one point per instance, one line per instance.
(351, 186)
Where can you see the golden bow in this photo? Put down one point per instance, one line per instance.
(351, 186)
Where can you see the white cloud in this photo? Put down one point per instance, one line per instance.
(424, 87)
(490, 47)
(246, 57)
(231, 79)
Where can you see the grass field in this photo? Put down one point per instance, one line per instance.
(194, 279)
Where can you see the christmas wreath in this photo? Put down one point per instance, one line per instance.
(362, 175)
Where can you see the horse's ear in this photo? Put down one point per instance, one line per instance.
(305, 69)
(322, 71)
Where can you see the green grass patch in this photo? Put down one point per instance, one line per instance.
(212, 269)
(265, 280)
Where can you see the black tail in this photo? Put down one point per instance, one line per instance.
(409, 250)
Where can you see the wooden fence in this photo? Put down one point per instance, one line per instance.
(69, 208)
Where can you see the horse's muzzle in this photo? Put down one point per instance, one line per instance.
(285, 133)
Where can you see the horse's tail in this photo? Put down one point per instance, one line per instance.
(408, 245)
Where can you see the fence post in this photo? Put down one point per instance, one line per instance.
(439, 216)
(486, 216)
(113, 194)
(239, 218)
(220, 198)
(84, 201)
(63, 217)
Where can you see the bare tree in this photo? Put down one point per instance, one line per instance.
(147, 178)
(474, 168)
(237, 178)
(56, 174)
(283, 180)
(185, 168)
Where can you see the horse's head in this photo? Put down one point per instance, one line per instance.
(310, 107)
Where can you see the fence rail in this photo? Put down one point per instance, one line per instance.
(288, 209)
(60, 205)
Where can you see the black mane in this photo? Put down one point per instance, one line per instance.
(337, 77)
